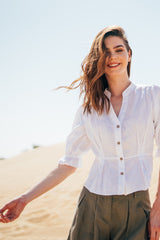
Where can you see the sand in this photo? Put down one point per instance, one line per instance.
(49, 217)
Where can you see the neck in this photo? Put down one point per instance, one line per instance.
(118, 84)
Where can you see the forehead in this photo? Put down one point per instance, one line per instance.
(113, 41)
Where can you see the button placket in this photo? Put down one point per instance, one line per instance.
(118, 140)
(119, 149)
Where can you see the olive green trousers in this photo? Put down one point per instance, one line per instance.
(117, 217)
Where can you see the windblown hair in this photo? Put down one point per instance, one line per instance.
(93, 81)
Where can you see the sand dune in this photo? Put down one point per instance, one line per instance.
(48, 217)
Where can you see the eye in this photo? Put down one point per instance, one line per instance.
(119, 50)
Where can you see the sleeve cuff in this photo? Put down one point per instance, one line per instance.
(71, 161)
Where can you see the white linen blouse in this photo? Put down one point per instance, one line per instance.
(123, 145)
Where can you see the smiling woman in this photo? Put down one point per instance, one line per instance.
(119, 122)
(110, 43)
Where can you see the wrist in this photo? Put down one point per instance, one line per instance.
(24, 199)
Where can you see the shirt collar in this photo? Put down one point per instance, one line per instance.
(128, 90)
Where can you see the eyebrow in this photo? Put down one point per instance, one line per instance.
(117, 46)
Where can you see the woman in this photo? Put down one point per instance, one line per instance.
(119, 121)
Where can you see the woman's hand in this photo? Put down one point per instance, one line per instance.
(154, 221)
(12, 210)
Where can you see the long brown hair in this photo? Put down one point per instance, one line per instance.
(93, 81)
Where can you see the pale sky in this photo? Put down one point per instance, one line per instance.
(42, 45)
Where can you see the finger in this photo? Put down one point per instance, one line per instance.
(6, 219)
(153, 234)
(4, 208)
(3, 219)
(157, 236)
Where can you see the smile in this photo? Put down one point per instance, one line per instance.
(113, 65)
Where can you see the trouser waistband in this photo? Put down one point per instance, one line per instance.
(137, 194)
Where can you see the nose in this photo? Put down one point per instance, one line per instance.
(111, 55)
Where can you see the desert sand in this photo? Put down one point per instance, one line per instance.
(49, 217)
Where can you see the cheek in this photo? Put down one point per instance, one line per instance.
(125, 57)
(105, 62)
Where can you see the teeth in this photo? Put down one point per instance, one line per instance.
(113, 65)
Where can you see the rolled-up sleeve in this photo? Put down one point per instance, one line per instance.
(156, 97)
(77, 142)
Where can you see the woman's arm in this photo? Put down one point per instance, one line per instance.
(58, 175)
(154, 222)
(13, 209)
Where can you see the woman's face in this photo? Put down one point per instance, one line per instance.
(117, 56)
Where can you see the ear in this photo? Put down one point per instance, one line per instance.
(129, 55)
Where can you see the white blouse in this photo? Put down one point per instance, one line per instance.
(123, 145)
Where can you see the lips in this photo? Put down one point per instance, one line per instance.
(113, 65)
